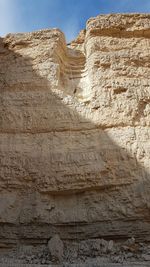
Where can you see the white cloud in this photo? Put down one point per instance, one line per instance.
(8, 16)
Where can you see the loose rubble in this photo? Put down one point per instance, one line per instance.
(96, 250)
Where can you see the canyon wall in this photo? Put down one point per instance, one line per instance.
(75, 132)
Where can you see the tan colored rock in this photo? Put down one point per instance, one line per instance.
(56, 248)
(75, 132)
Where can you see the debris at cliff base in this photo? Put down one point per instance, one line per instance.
(92, 250)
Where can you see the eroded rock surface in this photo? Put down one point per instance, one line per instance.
(75, 133)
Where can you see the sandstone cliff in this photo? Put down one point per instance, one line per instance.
(75, 133)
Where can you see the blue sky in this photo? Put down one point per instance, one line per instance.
(68, 15)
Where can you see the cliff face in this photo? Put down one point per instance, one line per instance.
(75, 132)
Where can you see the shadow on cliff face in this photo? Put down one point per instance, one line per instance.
(60, 172)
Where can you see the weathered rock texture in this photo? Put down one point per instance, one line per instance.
(75, 133)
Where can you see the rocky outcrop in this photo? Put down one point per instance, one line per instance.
(75, 133)
(56, 248)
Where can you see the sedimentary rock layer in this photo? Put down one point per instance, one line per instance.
(75, 132)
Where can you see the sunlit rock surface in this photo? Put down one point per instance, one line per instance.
(75, 133)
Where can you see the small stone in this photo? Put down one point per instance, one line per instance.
(39, 255)
(110, 247)
(131, 241)
(43, 261)
(103, 245)
(118, 259)
(146, 257)
(129, 255)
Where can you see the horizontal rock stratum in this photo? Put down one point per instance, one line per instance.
(75, 133)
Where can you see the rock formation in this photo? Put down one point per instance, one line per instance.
(75, 133)
(56, 248)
